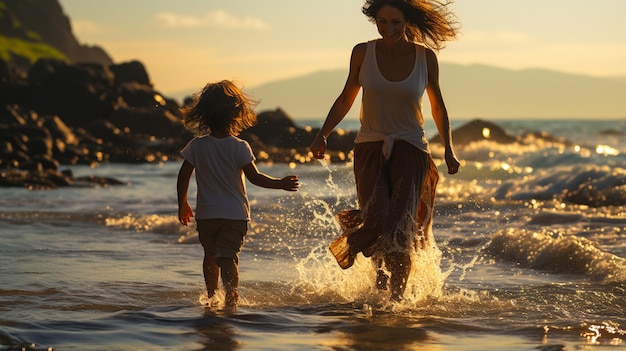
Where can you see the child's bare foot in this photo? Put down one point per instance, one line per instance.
(208, 300)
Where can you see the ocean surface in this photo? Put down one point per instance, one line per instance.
(531, 252)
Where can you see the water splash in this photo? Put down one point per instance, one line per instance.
(329, 180)
(321, 279)
(608, 330)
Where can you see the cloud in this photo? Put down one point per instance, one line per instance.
(217, 18)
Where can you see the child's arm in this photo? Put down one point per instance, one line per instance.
(185, 213)
(289, 183)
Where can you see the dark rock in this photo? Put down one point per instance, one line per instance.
(59, 146)
(99, 180)
(91, 54)
(35, 180)
(477, 130)
(611, 132)
(76, 155)
(40, 163)
(13, 159)
(130, 72)
(8, 72)
(40, 146)
(6, 147)
(50, 179)
(277, 138)
(13, 142)
(14, 92)
(78, 93)
(11, 115)
(158, 122)
(277, 128)
(37, 140)
(59, 130)
(80, 108)
(104, 129)
(138, 95)
(42, 69)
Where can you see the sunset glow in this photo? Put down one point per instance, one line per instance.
(257, 42)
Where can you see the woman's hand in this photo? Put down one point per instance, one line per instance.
(452, 162)
(318, 146)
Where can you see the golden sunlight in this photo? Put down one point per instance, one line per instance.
(606, 150)
(486, 133)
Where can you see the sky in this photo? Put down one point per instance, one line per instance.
(185, 44)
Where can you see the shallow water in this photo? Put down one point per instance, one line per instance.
(520, 265)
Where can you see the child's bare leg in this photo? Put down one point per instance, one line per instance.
(211, 273)
(230, 278)
(399, 265)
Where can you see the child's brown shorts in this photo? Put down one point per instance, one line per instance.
(222, 238)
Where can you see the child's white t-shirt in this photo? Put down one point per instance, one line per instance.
(219, 175)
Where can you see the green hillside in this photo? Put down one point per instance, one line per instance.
(13, 49)
(19, 44)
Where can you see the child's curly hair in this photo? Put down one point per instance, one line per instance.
(220, 107)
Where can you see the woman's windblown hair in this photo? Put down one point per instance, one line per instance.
(430, 22)
(220, 107)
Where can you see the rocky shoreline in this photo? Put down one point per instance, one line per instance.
(67, 114)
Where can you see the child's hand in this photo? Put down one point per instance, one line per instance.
(185, 213)
(290, 183)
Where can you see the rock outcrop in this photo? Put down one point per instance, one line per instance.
(43, 21)
(64, 113)
(477, 130)
(60, 114)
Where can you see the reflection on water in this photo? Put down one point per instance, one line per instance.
(523, 263)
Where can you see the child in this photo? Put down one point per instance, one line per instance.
(218, 114)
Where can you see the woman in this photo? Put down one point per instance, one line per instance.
(394, 173)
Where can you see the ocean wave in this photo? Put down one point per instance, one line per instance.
(589, 184)
(27, 217)
(557, 252)
(154, 223)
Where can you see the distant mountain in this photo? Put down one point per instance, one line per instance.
(470, 91)
(309, 96)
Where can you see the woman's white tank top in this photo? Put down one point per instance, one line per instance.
(392, 110)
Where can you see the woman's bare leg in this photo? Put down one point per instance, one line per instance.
(399, 265)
